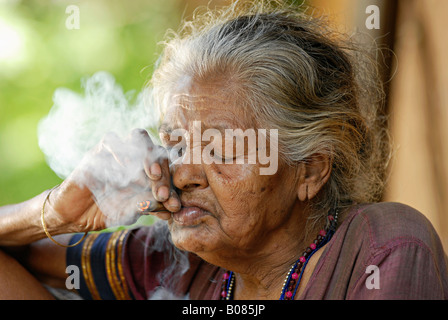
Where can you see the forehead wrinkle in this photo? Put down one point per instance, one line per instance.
(210, 104)
(189, 101)
(223, 119)
(222, 124)
(201, 93)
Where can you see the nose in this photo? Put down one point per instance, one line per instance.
(188, 177)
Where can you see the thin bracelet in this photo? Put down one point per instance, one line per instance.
(45, 227)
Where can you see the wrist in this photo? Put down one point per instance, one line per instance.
(59, 223)
(53, 221)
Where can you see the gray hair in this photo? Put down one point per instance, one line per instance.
(318, 89)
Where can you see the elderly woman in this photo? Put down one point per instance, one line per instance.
(311, 228)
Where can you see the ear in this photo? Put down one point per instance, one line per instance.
(313, 174)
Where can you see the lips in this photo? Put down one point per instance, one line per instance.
(190, 215)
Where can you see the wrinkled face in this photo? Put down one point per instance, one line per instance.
(227, 208)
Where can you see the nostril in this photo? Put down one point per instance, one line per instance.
(191, 186)
(188, 177)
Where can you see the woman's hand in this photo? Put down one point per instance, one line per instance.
(162, 188)
(112, 179)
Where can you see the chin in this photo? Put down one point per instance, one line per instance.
(194, 239)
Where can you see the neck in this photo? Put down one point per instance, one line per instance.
(261, 285)
(253, 287)
(262, 276)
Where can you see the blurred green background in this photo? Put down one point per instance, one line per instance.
(39, 54)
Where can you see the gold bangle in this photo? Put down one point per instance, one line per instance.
(45, 227)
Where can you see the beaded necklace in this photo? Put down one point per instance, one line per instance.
(292, 280)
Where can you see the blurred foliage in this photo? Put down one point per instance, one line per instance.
(39, 54)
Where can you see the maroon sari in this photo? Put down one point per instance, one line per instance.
(393, 238)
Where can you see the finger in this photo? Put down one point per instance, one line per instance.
(112, 144)
(148, 207)
(140, 142)
(154, 171)
(161, 187)
(128, 156)
(140, 137)
(173, 204)
(153, 162)
(163, 215)
(161, 193)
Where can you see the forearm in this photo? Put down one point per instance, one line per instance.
(20, 224)
(17, 283)
(22, 236)
(43, 259)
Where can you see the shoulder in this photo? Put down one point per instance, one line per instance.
(399, 241)
(390, 224)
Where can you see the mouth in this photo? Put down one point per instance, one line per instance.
(190, 215)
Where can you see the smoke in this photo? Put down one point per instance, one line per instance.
(87, 136)
(164, 294)
(176, 264)
(77, 122)
(91, 130)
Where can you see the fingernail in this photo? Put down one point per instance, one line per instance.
(163, 193)
(174, 202)
(155, 170)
